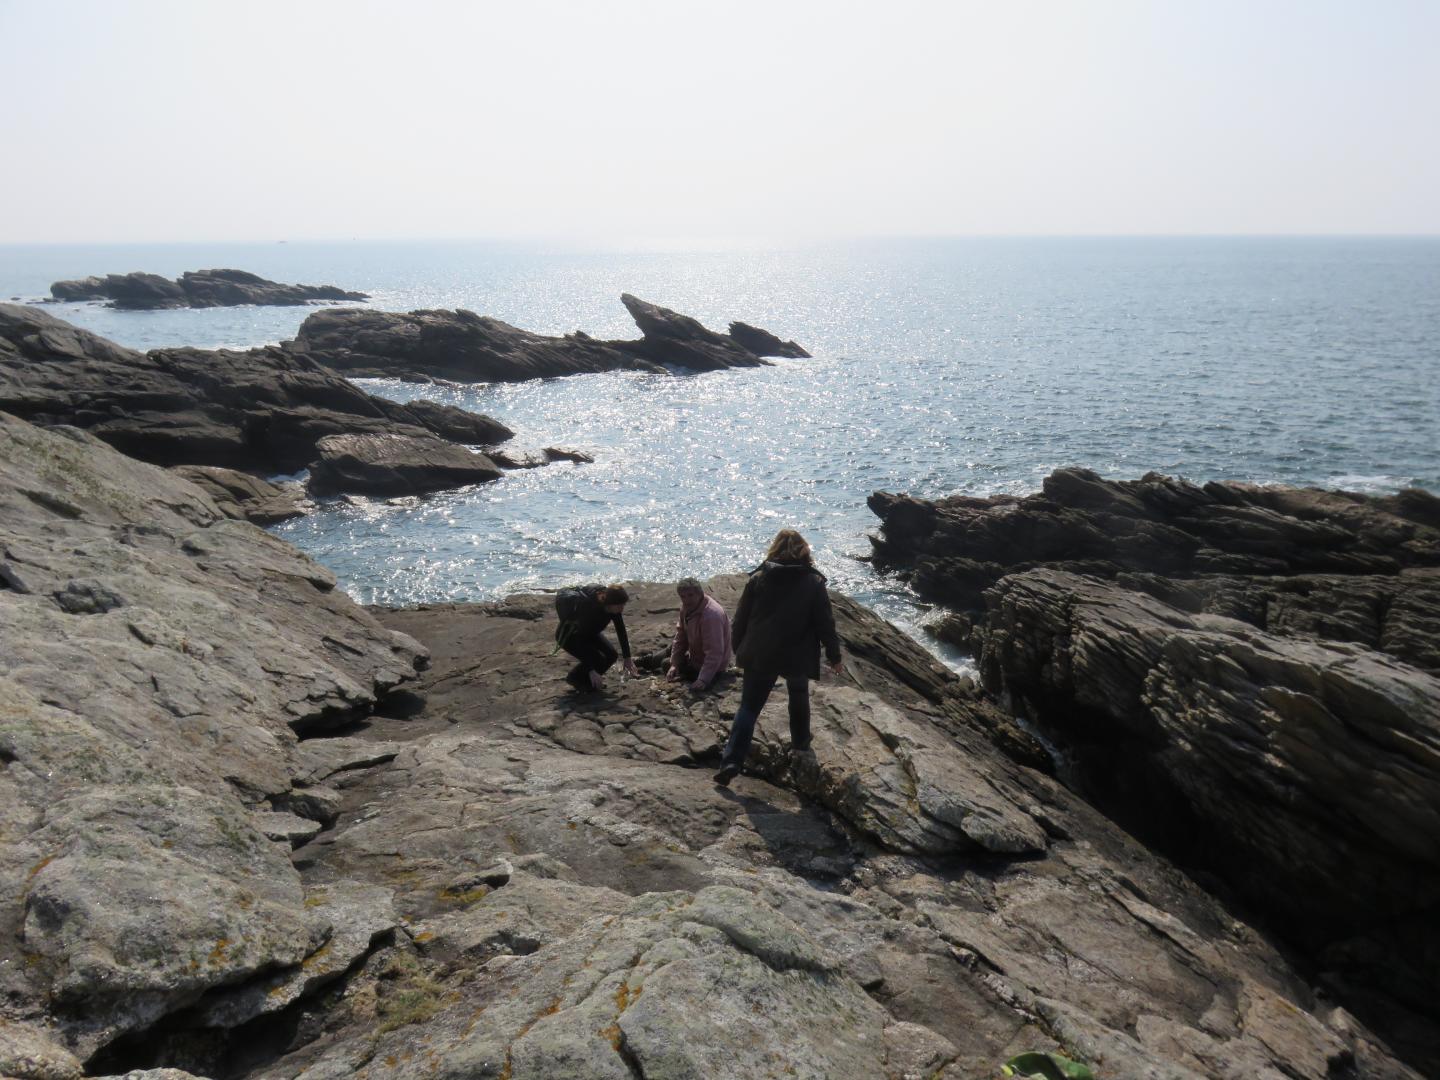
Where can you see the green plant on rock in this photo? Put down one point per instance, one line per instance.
(1052, 1066)
(407, 995)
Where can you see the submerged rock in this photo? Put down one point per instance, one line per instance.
(195, 289)
(465, 347)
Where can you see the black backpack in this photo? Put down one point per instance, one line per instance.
(568, 603)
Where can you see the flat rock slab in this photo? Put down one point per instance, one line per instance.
(395, 465)
(356, 915)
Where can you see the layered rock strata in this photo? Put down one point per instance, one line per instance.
(1249, 676)
(196, 289)
(264, 410)
(465, 347)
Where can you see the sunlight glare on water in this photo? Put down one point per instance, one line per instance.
(972, 366)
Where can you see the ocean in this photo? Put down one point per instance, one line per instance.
(940, 366)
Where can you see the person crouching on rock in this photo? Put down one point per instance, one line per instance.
(783, 619)
(701, 650)
(584, 613)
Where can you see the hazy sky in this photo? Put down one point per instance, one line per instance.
(132, 120)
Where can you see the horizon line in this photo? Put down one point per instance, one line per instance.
(731, 240)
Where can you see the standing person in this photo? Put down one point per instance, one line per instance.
(783, 619)
(584, 614)
(701, 650)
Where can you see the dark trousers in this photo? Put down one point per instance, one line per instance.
(754, 691)
(594, 653)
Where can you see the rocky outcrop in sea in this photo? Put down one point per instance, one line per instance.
(253, 830)
(263, 411)
(1248, 677)
(464, 347)
(196, 289)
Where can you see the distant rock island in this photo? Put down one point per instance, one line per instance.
(195, 289)
(462, 346)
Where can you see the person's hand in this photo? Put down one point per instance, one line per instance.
(631, 669)
(837, 667)
(673, 674)
(596, 681)
(696, 686)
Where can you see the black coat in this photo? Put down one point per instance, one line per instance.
(589, 619)
(783, 618)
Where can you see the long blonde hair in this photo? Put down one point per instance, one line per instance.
(789, 547)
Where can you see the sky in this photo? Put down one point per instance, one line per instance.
(151, 120)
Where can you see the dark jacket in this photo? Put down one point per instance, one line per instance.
(783, 618)
(583, 616)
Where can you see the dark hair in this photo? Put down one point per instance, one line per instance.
(615, 594)
(689, 583)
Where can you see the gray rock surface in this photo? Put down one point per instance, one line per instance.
(1246, 676)
(521, 882)
(1309, 771)
(395, 465)
(578, 902)
(463, 346)
(195, 289)
(246, 497)
(156, 662)
(263, 410)
(763, 343)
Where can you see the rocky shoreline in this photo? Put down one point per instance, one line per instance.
(255, 831)
(393, 844)
(1245, 676)
(140, 291)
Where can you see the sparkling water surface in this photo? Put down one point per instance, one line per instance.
(970, 365)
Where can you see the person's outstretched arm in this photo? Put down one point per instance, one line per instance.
(824, 620)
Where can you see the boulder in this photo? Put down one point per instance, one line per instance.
(263, 411)
(246, 497)
(463, 346)
(395, 465)
(195, 289)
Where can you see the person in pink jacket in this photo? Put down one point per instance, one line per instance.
(701, 650)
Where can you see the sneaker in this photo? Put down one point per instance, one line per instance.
(804, 756)
(726, 774)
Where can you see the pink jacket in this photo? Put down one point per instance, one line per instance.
(702, 640)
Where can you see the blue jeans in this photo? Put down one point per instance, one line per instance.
(753, 693)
